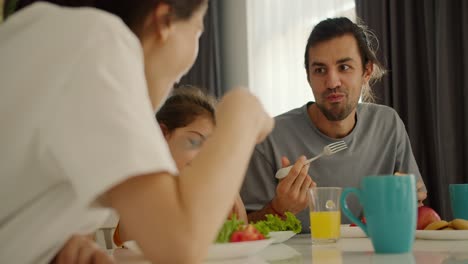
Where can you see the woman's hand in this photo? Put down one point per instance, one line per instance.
(81, 249)
(241, 107)
(239, 210)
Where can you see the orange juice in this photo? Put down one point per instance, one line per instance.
(325, 225)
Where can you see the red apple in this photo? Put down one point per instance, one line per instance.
(363, 220)
(426, 215)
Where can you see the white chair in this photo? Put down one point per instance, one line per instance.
(103, 235)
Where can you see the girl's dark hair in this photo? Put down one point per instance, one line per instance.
(366, 40)
(184, 106)
(132, 12)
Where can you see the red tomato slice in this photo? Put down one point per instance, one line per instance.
(248, 233)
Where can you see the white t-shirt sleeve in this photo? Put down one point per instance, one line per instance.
(102, 129)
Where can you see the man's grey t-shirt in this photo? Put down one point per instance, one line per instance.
(377, 145)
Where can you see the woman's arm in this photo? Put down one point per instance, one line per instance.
(175, 219)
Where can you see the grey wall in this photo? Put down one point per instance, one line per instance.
(234, 44)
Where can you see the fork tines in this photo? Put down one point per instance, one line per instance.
(338, 146)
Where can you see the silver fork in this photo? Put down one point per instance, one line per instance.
(328, 150)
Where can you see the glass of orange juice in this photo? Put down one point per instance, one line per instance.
(325, 216)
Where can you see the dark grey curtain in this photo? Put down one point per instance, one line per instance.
(206, 72)
(425, 46)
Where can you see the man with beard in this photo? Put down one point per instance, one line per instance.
(340, 63)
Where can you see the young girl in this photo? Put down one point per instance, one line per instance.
(80, 86)
(187, 119)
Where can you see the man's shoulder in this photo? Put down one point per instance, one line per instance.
(292, 115)
(376, 110)
(379, 117)
(291, 122)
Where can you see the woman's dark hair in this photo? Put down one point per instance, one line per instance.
(367, 44)
(132, 12)
(184, 105)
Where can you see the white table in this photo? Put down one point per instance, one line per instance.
(348, 250)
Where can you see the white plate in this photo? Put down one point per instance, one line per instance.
(133, 246)
(442, 234)
(222, 250)
(237, 249)
(351, 232)
(281, 236)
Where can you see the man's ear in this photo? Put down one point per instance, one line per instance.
(160, 21)
(165, 130)
(368, 71)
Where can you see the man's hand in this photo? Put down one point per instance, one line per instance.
(419, 186)
(81, 249)
(291, 192)
(421, 195)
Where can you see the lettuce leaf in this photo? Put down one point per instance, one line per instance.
(292, 223)
(228, 228)
(263, 228)
(275, 223)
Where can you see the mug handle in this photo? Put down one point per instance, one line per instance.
(346, 210)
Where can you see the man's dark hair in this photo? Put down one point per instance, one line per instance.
(367, 44)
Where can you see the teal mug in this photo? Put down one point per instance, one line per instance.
(459, 200)
(390, 208)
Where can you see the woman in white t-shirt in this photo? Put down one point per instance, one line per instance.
(79, 90)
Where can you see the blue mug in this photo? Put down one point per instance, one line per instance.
(459, 200)
(390, 209)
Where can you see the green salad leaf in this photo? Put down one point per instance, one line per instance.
(228, 228)
(275, 223)
(292, 223)
(263, 228)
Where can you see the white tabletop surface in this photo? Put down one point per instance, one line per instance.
(299, 249)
